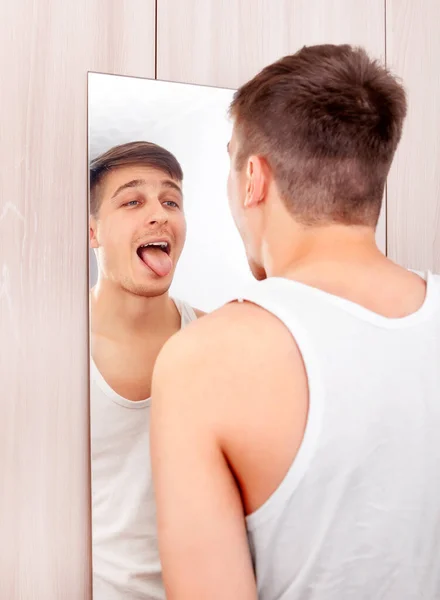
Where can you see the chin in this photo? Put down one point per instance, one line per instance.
(149, 289)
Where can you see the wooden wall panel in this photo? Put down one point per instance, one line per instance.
(225, 42)
(413, 48)
(47, 48)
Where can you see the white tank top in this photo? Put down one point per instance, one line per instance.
(357, 516)
(125, 555)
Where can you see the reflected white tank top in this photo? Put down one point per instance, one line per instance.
(125, 554)
(358, 515)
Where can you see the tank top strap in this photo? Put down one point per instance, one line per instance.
(186, 311)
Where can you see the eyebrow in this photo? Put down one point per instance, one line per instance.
(139, 182)
(130, 184)
(170, 184)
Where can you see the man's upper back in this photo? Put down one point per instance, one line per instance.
(326, 415)
(343, 484)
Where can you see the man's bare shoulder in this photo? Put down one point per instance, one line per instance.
(238, 336)
(237, 370)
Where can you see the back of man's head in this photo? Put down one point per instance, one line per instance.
(328, 120)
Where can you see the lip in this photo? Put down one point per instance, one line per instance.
(163, 240)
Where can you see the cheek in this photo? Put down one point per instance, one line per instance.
(179, 227)
(115, 233)
(229, 187)
(232, 196)
(237, 212)
(233, 190)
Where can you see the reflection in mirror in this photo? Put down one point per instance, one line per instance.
(164, 249)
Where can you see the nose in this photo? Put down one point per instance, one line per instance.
(158, 216)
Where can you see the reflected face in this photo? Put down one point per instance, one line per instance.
(248, 223)
(139, 231)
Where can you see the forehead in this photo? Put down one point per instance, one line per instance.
(150, 176)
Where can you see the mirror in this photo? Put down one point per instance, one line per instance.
(147, 281)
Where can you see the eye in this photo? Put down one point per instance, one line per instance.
(132, 203)
(172, 203)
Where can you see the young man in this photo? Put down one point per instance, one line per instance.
(296, 448)
(137, 228)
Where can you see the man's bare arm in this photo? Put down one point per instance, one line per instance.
(202, 535)
(229, 409)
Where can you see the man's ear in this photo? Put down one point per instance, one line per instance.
(93, 233)
(256, 181)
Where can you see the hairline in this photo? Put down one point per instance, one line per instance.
(105, 171)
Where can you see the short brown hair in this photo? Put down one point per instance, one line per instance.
(328, 120)
(134, 153)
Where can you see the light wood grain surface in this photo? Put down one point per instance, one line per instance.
(226, 42)
(413, 50)
(47, 48)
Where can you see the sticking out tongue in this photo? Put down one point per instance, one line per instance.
(158, 260)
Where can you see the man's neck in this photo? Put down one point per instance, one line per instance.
(328, 251)
(119, 314)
